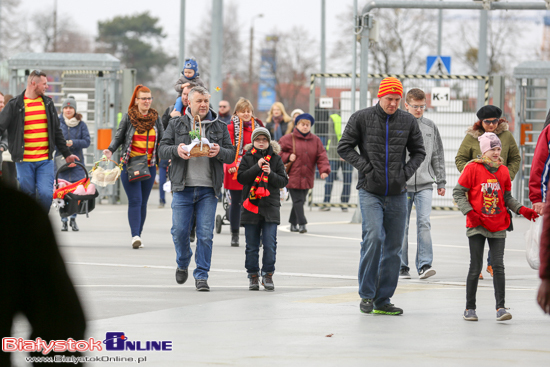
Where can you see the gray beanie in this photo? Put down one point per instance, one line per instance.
(69, 102)
(261, 131)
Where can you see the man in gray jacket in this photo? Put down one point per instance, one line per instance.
(196, 183)
(420, 188)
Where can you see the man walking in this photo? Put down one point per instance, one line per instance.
(196, 183)
(224, 112)
(383, 134)
(33, 134)
(420, 189)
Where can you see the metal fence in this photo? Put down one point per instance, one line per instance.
(452, 122)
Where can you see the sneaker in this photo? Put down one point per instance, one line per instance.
(490, 269)
(388, 309)
(503, 315)
(366, 305)
(267, 282)
(181, 275)
(161, 205)
(254, 282)
(404, 274)
(325, 209)
(136, 242)
(202, 285)
(470, 315)
(426, 272)
(480, 276)
(345, 210)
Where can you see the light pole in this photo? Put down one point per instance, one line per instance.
(251, 52)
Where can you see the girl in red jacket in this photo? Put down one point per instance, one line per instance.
(486, 181)
(240, 130)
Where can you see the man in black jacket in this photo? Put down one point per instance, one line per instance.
(33, 134)
(383, 134)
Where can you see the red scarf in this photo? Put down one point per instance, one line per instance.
(259, 187)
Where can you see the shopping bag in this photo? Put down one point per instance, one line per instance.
(532, 243)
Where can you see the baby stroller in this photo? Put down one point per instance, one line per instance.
(74, 198)
(223, 220)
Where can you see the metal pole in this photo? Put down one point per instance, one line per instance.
(182, 35)
(55, 26)
(354, 60)
(216, 50)
(364, 81)
(250, 58)
(323, 46)
(482, 57)
(439, 35)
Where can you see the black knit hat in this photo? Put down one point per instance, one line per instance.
(489, 112)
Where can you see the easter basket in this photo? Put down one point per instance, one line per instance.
(200, 146)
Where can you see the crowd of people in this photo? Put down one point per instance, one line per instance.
(398, 154)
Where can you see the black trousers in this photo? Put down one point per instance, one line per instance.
(496, 246)
(235, 210)
(299, 198)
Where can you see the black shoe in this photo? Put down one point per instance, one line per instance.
(202, 285)
(64, 226)
(426, 272)
(293, 228)
(388, 309)
(366, 305)
(235, 239)
(181, 275)
(73, 225)
(254, 282)
(267, 282)
(302, 228)
(404, 273)
(192, 234)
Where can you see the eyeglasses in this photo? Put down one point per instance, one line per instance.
(418, 107)
(146, 98)
(491, 122)
(222, 106)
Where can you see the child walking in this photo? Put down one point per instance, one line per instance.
(262, 174)
(483, 193)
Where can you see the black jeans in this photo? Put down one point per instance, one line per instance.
(299, 198)
(496, 246)
(235, 210)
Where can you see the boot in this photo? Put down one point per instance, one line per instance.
(64, 226)
(74, 227)
(254, 282)
(235, 239)
(302, 228)
(293, 228)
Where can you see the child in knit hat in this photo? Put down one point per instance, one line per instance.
(483, 194)
(190, 73)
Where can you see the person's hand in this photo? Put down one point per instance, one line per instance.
(543, 297)
(182, 152)
(266, 168)
(1, 149)
(528, 213)
(475, 219)
(107, 153)
(538, 207)
(441, 192)
(69, 143)
(261, 162)
(70, 159)
(342, 159)
(175, 113)
(324, 175)
(214, 150)
(232, 170)
(292, 157)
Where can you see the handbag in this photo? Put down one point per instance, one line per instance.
(138, 169)
(289, 163)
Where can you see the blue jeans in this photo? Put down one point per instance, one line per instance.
(163, 167)
(138, 195)
(347, 170)
(383, 226)
(65, 219)
(422, 200)
(199, 202)
(267, 232)
(36, 180)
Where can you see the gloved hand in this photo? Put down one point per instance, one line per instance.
(528, 213)
(475, 219)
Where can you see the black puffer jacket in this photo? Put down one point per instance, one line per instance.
(269, 207)
(383, 141)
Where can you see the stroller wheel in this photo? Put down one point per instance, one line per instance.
(219, 223)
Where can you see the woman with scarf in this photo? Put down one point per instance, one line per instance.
(139, 133)
(240, 129)
(262, 174)
(77, 135)
(306, 150)
(279, 123)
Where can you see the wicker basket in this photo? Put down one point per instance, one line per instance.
(199, 150)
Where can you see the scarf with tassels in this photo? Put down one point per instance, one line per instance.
(238, 127)
(259, 187)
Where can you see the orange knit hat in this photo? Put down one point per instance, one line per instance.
(390, 86)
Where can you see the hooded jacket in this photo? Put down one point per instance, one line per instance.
(178, 133)
(540, 168)
(269, 208)
(80, 137)
(469, 149)
(383, 141)
(12, 118)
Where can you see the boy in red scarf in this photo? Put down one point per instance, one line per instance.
(262, 174)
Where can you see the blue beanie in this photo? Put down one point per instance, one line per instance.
(191, 64)
(305, 116)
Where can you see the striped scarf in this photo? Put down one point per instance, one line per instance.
(259, 187)
(238, 126)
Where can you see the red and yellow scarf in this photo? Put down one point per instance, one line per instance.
(259, 187)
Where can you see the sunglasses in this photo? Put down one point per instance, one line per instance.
(491, 122)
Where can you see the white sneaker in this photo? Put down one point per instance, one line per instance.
(426, 272)
(136, 242)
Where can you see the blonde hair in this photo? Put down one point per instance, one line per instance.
(286, 117)
(242, 105)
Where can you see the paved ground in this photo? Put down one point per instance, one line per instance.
(312, 318)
